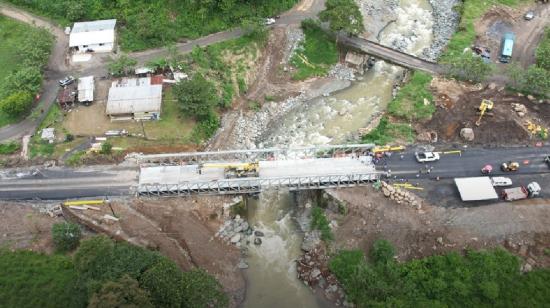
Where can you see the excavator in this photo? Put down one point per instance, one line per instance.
(235, 170)
(486, 105)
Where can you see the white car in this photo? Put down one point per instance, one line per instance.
(501, 181)
(425, 157)
(269, 21)
(529, 15)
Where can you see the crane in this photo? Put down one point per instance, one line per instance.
(486, 105)
(235, 170)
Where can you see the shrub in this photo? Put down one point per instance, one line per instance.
(9, 148)
(16, 104)
(106, 148)
(122, 66)
(196, 97)
(382, 252)
(202, 290)
(320, 222)
(66, 236)
(124, 292)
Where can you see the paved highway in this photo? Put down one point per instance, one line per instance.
(468, 163)
(65, 183)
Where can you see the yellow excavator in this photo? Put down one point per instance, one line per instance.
(235, 170)
(486, 105)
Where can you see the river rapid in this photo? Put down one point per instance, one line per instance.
(271, 278)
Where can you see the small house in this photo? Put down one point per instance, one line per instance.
(66, 97)
(93, 36)
(86, 90)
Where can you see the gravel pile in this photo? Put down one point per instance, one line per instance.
(342, 72)
(446, 21)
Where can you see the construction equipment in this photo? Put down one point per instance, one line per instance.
(388, 149)
(235, 170)
(510, 166)
(486, 169)
(486, 105)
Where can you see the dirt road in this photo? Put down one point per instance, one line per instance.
(56, 69)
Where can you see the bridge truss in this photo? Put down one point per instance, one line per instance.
(255, 185)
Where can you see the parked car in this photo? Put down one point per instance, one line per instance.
(547, 160)
(501, 181)
(486, 169)
(529, 15)
(269, 21)
(510, 166)
(425, 157)
(66, 81)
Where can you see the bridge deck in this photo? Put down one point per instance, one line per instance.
(294, 174)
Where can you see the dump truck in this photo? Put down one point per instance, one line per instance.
(507, 47)
(522, 192)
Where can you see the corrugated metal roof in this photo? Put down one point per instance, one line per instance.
(93, 32)
(86, 89)
(128, 100)
(97, 25)
(476, 189)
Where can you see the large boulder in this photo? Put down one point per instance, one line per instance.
(467, 134)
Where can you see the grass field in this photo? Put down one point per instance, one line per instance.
(315, 55)
(409, 102)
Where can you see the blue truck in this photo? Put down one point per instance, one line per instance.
(507, 47)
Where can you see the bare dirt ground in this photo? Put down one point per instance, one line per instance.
(23, 226)
(502, 19)
(520, 227)
(182, 229)
(458, 108)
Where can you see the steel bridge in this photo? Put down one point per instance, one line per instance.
(321, 167)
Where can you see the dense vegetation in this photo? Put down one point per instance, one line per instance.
(477, 279)
(24, 54)
(536, 79)
(316, 54)
(149, 23)
(320, 222)
(66, 236)
(409, 103)
(103, 273)
(387, 132)
(343, 15)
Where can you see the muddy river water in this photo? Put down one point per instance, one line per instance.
(272, 279)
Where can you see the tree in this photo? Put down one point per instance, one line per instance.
(343, 15)
(196, 97)
(468, 67)
(16, 104)
(164, 281)
(122, 66)
(124, 292)
(535, 80)
(255, 29)
(26, 79)
(202, 290)
(382, 252)
(66, 236)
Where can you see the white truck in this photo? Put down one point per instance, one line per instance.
(518, 193)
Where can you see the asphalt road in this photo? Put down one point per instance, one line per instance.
(65, 183)
(468, 163)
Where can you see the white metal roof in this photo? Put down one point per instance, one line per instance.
(86, 89)
(127, 100)
(93, 32)
(475, 189)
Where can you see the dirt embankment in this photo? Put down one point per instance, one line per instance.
(182, 229)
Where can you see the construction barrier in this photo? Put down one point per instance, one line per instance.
(388, 149)
(83, 202)
(408, 186)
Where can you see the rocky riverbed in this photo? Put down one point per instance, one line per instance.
(446, 21)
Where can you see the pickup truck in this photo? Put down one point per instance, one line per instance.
(522, 192)
(425, 157)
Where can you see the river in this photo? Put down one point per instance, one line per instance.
(272, 279)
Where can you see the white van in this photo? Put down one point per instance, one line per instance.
(501, 181)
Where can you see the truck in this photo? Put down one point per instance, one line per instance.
(522, 192)
(507, 47)
(425, 157)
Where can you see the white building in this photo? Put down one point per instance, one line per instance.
(86, 89)
(93, 36)
(134, 100)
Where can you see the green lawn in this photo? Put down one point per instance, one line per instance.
(409, 102)
(387, 132)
